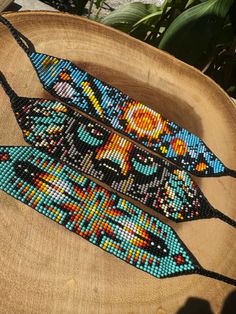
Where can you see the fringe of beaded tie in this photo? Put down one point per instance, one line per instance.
(88, 147)
(97, 215)
(102, 101)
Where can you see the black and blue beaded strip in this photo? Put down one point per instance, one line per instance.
(97, 215)
(78, 88)
(89, 147)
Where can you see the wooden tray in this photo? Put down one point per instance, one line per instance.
(46, 269)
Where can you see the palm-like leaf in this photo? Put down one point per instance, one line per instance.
(193, 35)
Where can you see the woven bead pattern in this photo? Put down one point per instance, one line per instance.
(89, 147)
(106, 103)
(97, 215)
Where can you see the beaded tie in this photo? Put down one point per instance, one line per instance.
(88, 147)
(78, 88)
(99, 216)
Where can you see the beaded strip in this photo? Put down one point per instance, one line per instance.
(87, 146)
(78, 88)
(97, 215)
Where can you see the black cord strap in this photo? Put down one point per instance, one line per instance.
(212, 274)
(225, 218)
(9, 91)
(230, 172)
(21, 40)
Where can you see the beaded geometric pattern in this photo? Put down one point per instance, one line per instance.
(132, 118)
(89, 147)
(99, 216)
(81, 205)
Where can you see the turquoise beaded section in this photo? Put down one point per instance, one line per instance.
(97, 215)
(106, 103)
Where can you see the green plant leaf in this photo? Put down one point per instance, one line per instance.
(98, 3)
(147, 17)
(125, 17)
(193, 35)
(192, 3)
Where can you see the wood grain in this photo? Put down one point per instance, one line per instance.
(46, 269)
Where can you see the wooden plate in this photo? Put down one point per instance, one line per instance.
(46, 269)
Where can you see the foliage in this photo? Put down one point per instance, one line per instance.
(199, 32)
